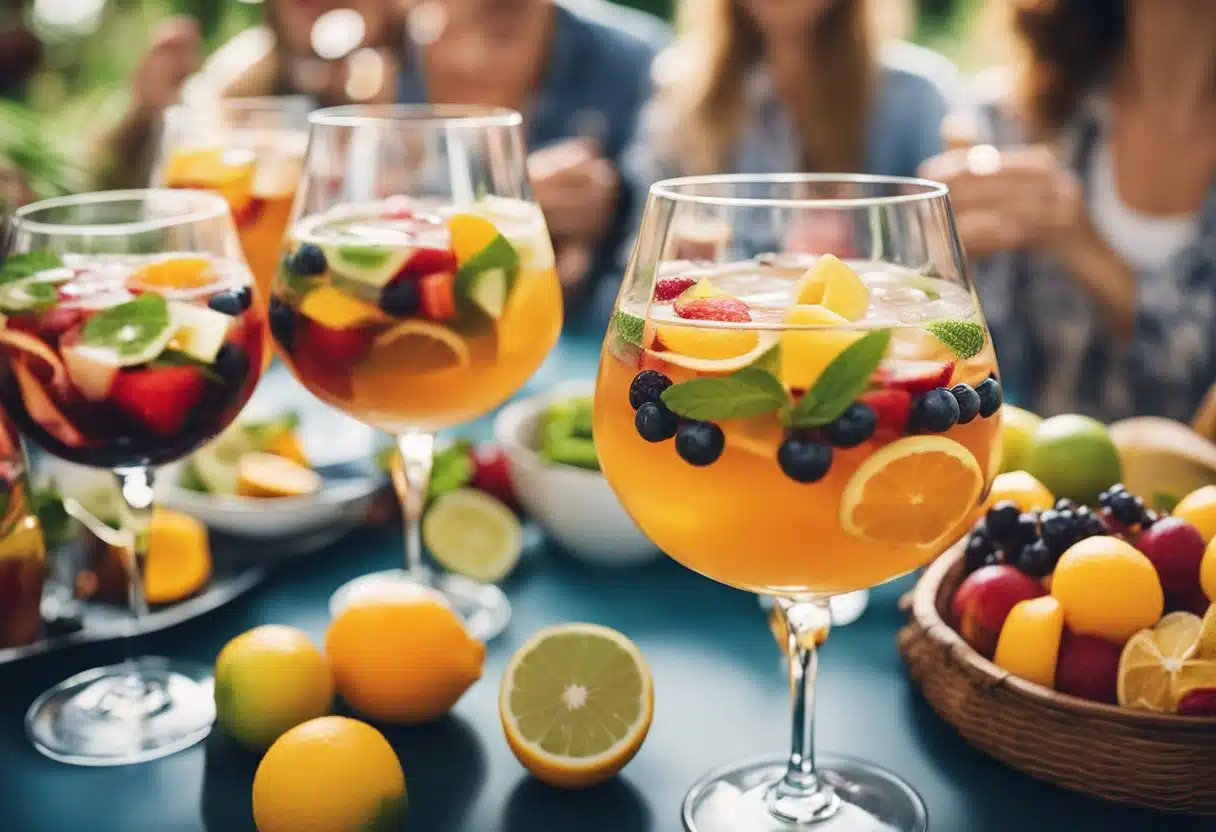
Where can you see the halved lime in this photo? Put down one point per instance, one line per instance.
(470, 532)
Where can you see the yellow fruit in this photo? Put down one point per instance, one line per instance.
(287, 445)
(1205, 642)
(424, 346)
(1029, 643)
(1199, 509)
(1207, 571)
(267, 680)
(1157, 666)
(470, 234)
(1017, 431)
(576, 703)
(703, 288)
(338, 310)
(179, 557)
(709, 344)
(1021, 488)
(805, 353)
(268, 475)
(331, 774)
(1108, 589)
(832, 284)
(175, 273)
(403, 659)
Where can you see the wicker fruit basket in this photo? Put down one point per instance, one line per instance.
(1159, 761)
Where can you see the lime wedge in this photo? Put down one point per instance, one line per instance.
(372, 266)
(137, 331)
(472, 533)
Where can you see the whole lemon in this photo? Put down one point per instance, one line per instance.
(331, 774)
(267, 680)
(1207, 571)
(1199, 509)
(404, 659)
(1108, 589)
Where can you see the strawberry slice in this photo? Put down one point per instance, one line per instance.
(916, 377)
(342, 347)
(892, 407)
(426, 261)
(670, 288)
(161, 399)
(438, 295)
(714, 309)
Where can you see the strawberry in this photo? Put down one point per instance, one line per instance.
(438, 295)
(336, 347)
(426, 261)
(669, 288)
(246, 212)
(491, 474)
(161, 399)
(892, 407)
(714, 309)
(915, 377)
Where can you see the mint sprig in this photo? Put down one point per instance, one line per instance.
(751, 391)
(28, 264)
(963, 338)
(841, 382)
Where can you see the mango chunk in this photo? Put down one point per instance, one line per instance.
(833, 285)
(805, 354)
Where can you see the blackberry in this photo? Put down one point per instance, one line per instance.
(1065, 504)
(1002, 520)
(1125, 508)
(804, 460)
(700, 443)
(977, 552)
(1027, 531)
(852, 427)
(1058, 530)
(655, 423)
(647, 386)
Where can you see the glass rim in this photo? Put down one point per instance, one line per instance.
(242, 104)
(669, 189)
(422, 115)
(198, 206)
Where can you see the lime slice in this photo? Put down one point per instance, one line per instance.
(472, 533)
(136, 331)
(27, 295)
(486, 277)
(628, 327)
(488, 290)
(576, 703)
(215, 464)
(371, 266)
(425, 346)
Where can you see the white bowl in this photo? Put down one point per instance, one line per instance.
(576, 507)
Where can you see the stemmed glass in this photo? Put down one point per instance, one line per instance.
(132, 337)
(417, 291)
(799, 425)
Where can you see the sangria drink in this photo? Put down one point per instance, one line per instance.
(801, 415)
(22, 550)
(131, 336)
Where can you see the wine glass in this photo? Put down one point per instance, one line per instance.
(417, 291)
(132, 337)
(799, 425)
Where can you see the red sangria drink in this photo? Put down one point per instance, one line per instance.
(130, 336)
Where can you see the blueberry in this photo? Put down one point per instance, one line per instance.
(968, 402)
(307, 261)
(934, 412)
(282, 322)
(232, 364)
(1150, 517)
(401, 299)
(1035, 559)
(699, 443)
(1065, 504)
(852, 427)
(1002, 520)
(655, 423)
(990, 396)
(1059, 530)
(1125, 509)
(804, 460)
(647, 386)
(231, 303)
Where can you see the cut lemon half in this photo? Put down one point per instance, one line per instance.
(425, 347)
(1157, 667)
(266, 475)
(760, 343)
(472, 533)
(576, 703)
(915, 490)
(1205, 642)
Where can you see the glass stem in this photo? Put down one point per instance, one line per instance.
(138, 495)
(411, 479)
(801, 796)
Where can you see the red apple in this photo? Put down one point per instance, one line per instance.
(1176, 549)
(983, 601)
(1088, 667)
(1198, 702)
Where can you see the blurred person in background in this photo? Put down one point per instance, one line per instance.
(1093, 229)
(579, 72)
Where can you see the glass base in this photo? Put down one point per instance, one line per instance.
(124, 713)
(845, 608)
(870, 799)
(484, 608)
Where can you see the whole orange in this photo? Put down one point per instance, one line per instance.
(402, 659)
(1108, 589)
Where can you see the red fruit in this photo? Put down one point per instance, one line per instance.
(491, 473)
(1193, 600)
(916, 377)
(1088, 667)
(714, 309)
(1176, 549)
(160, 399)
(42, 407)
(670, 288)
(342, 347)
(426, 261)
(246, 213)
(1198, 702)
(892, 407)
(983, 600)
(438, 295)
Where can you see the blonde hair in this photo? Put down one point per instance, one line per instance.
(716, 46)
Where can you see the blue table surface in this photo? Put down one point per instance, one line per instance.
(720, 696)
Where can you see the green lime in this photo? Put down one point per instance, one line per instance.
(137, 330)
(472, 533)
(1074, 457)
(1017, 428)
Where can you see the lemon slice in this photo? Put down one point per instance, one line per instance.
(425, 346)
(266, 475)
(1156, 667)
(1205, 642)
(472, 533)
(765, 341)
(576, 703)
(915, 490)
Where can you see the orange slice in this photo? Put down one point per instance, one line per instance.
(425, 347)
(915, 490)
(211, 168)
(175, 273)
(1157, 667)
(470, 234)
(267, 475)
(338, 310)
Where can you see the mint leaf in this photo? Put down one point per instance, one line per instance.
(129, 327)
(964, 338)
(27, 264)
(751, 391)
(841, 382)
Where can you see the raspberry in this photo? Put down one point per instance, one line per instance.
(918, 378)
(715, 309)
(892, 407)
(669, 288)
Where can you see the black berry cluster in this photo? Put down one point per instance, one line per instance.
(1030, 541)
(1124, 511)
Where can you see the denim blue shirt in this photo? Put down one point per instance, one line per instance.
(1054, 347)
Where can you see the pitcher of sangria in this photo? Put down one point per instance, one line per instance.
(23, 563)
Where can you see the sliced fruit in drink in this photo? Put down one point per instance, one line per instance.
(372, 266)
(471, 234)
(576, 703)
(486, 277)
(474, 534)
(161, 399)
(765, 349)
(268, 476)
(806, 353)
(27, 296)
(488, 290)
(915, 377)
(724, 309)
(130, 333)
(833, 285)
(628, 328)
(335, 347)
(438, 294)
(916, 490)
(89, 368)
(338, 310)
(182, 273)
(42, 408)
(198, 331)
(34, 347)
(710, 344)
(702, 289)
(424, 346)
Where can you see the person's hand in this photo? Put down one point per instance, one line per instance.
(576, 188)
(174, 54)
(1020, 198)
